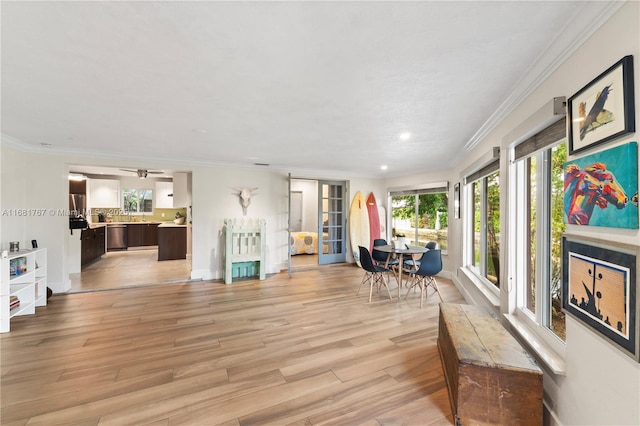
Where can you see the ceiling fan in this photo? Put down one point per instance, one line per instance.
(142, 173)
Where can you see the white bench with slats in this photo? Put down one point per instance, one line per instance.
(245, 243)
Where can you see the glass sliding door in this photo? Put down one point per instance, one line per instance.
(421, 215)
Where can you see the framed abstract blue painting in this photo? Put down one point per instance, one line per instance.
(601, 189)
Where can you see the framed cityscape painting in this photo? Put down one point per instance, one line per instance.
(601, 189)
(599, 288)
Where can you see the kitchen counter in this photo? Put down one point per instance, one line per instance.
(170, 237)
(100, 224)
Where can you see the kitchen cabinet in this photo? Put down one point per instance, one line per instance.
(103, 193)
(142, 234)
(93, 244)
(77, 187)
(181, 189)
(23, 284)
(172, 242)
(164, 195)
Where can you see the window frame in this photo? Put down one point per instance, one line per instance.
(416, 191)
(137, 212)
(479, 178)
(543, 137)
(539, 320)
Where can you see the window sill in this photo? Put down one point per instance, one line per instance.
(491, 297)
(543, 352)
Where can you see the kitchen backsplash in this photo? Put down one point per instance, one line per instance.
(158, 215)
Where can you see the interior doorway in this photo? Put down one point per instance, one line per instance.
(154, 213)
(317, 229)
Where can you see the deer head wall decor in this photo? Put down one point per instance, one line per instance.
(245, 198)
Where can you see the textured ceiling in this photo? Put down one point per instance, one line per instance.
(323, 86)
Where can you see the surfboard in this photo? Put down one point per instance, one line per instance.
(374, 220)
(358, 225)
(382, 214)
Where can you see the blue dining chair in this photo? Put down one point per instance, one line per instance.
(415, 263)
(374, 274)
(425, 275)
(381, 257)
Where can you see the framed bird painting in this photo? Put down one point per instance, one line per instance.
(604, 109)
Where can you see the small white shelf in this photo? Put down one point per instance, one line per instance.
(23, 278)
(23, 275)
(26, 294)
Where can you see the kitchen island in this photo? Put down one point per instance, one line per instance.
(172, 241)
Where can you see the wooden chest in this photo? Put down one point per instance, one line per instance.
(491, 378)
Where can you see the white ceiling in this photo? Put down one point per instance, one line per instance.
(323, 86)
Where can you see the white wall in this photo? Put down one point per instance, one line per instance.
(14, 196)
(214, 198)
(601, 385)
(33, 184)
(596, 371)
(309, 189)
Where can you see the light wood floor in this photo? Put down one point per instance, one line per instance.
(304, 350)
(129, 268)
(133, 268)
(303, 262)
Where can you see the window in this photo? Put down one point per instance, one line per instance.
(485, 233)
(421, 215)
(539, 219)
(137, 201)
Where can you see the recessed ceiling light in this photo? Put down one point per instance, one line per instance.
(405, 136)
(383, 167)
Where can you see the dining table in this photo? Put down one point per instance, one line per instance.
(399, 252)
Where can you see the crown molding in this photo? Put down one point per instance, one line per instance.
(585, 22)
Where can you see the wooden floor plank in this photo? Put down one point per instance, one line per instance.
(301, 350)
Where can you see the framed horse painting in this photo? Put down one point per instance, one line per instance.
(601, 189)
(599, 289)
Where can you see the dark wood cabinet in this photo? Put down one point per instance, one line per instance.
(77, 187)
(150, 235)
(93, 244)
(134, 235)
(85, 237)
(100, 246)
(142, 234)
(172, 242)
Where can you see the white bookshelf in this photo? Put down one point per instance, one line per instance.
(24, 276)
